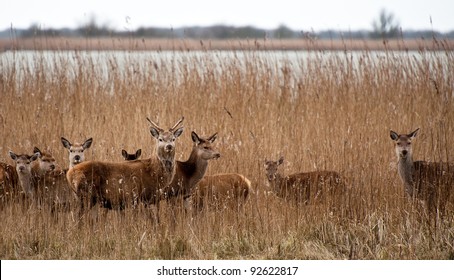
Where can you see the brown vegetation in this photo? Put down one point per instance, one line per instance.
(324, 111)
(147, 44)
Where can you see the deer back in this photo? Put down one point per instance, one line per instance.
(120, 183)
(9, 181)
(310, 186)
(221, 188)
(434, 183)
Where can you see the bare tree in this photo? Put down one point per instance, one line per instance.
(385, 26)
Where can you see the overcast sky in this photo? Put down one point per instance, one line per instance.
(301, 15)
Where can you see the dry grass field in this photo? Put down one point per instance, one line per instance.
(328, 110)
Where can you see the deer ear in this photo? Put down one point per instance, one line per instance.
(195, 137)
(394, 136)
(36, 150)
(154, 132)
(281, 160)
(65, 143)
(138, 153)
(178, 132)
(213, 137)
(87, 143)
(12, 155)
(124, 154)
(35, 156)
(414, 133)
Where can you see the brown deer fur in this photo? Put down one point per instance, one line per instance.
(116, 185)
(9, 182)
(189, 173)
(430, 182)
(221, 190)
(304, 187)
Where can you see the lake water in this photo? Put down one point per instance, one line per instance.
(176, 62)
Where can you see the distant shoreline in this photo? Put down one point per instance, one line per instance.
(148, 44)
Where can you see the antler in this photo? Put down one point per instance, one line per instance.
(154, 124)
(177, 124)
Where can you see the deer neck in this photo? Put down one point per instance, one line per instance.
(197, 168)
(189, 173)
(167, 160)
(36, 171)
(405, 169)
(276, 183)
(26, 180)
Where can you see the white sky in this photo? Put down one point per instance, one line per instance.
(299, 15)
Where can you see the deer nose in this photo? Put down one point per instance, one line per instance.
(52, 167)
(217, 155)
(21, 168)
(404, 152)
(169, 147)
(77, 158)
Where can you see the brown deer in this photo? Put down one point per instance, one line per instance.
(134, 156)
(306, 187)
(76, 150)
(9, 182)
(116, 185)
(220, 190)
(44, 164)
(189, 173)
(24, 172)
(430, 182)
(41, 181)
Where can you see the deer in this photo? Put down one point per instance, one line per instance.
(188, 173)
(44, 163)
(24, 172)
(115, 185)
(128, 156)
(76, 150)
(41, 181)
(221, 190)
(305, 187)
(9, 181)
(429, 182)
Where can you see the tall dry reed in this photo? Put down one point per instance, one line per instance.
(326, 110)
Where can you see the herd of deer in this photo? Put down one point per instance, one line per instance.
(148, 181)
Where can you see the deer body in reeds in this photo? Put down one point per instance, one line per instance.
(430, 182)
(128, 156)
(305, 187)
(44, 163)
(188, 173)
(24, 172)
(117, 185)
(76, 150)
(221, 190)
(41, 180)
(9, 181)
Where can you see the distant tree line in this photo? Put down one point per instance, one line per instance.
(384, 27)
(221, 32)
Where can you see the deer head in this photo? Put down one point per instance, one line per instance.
(271, 168)
(166, 141)
(76, 150)
(403, 143)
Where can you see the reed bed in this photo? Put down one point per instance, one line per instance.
(326, 110)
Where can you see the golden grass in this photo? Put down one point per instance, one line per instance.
(322, 111)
